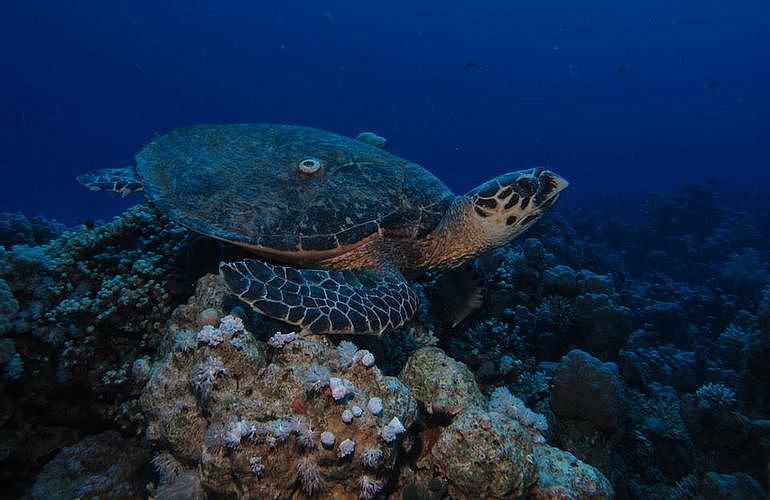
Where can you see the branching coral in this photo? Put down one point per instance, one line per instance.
(715, 396)
(555, 312)
(116, 270)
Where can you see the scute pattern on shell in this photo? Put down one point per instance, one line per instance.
(242, 183)
(324, 301)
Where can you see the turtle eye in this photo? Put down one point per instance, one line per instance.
(309, 165)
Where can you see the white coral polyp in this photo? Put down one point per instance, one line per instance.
(365, 357)
(375, 406)
(340, 388)
(390, 432)
(346, 448)
(279, 340)
(210, 335)
(231, 325)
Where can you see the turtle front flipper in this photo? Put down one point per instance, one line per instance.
(121, 180)
(321, 301)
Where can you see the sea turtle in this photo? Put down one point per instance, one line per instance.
(333, 221)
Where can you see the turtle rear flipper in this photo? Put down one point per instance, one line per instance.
(121, 180)
(321, 301)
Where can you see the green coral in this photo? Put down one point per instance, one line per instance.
(118, 269)
(93, 289)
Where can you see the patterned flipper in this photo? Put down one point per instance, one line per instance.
(320, 301)
(121, 180)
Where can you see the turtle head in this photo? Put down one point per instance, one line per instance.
(510, 203)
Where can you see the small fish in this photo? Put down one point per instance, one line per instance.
(458, 293)
(620, 70)
(713, 85)
(471, 67)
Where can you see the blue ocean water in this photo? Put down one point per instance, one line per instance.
(618, 348)
(621, 98)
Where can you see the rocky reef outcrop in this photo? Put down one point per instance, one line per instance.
(591, 370)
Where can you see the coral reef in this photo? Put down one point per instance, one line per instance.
(16, 229)
(594, 368)
(225, 404)
(76, 314)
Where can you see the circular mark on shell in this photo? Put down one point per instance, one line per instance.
(309, 165)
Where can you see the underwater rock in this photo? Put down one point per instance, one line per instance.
(485, 455)
(661, 364)
(715, 486)
(589, 282)
(671, 318)
(745, 274)
(262, 406)
(16, 229)
(442, 384)
(502, 401)
(46, 230)
(605, 324)
(661, 446)
(712, 415)
(561, 280)
(103, 465)
(586, 389)
(564, 477)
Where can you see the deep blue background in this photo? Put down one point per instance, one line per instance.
(85, 84)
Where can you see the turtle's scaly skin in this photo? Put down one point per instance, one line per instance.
(244, 184)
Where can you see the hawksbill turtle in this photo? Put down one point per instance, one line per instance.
(334, 222)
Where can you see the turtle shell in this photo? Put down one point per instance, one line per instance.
(286, 189)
